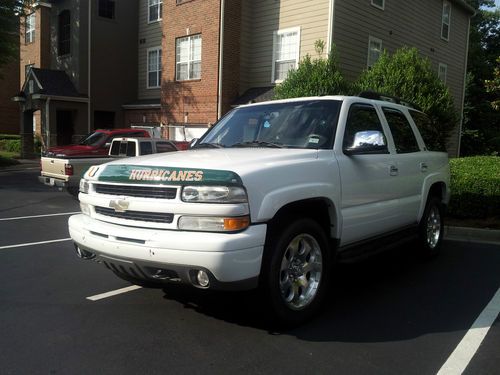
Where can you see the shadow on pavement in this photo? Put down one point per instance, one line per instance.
(391, 297)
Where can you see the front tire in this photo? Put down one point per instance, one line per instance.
(296, 270)
(431, 228)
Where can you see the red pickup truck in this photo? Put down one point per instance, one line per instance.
(94, 144)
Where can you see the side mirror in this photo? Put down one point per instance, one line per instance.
(107, 144)
(367, 142)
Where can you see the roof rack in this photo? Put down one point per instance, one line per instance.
(386, 98)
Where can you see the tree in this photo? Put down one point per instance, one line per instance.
(493, 86)
(10, 15)
(407, 75)
(481, 127)
(314, 77)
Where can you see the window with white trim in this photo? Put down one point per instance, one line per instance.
(286, 48)
(446, 20)
(188, 58)
(154, 67)
(374, 50)
(442, 72)
(155, 10)
(29, 36)
(379, 4)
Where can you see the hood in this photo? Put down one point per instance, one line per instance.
(239, 160)
(70, 150)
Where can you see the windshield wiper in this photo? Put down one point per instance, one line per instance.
(208, 145)
(258, 144)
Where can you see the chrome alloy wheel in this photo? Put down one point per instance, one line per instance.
(300, 272)
(433, 227)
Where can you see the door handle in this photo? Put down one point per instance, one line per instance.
(423, 167)
(393, 170)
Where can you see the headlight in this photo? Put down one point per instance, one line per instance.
(84, 186)
(214, 194)
(213, 224)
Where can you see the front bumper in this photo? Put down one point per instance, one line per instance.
(232, 261)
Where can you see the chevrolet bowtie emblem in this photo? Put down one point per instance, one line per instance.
(119, 205)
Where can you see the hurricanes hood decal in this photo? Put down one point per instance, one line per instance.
(165, 175)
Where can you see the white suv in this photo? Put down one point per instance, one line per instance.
(271, 196)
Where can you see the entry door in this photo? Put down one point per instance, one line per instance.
(65, 127)
(369, 197)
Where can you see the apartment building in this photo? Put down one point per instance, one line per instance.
(87, 64)
(78, 66)
(220, 53)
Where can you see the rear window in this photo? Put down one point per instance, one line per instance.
(115, 148)
(131, 148)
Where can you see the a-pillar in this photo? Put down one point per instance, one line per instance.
(27, 144)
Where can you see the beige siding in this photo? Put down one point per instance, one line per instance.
(415, 24)
(149, 36)
(261, 18)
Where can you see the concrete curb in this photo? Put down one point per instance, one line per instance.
(488, 236)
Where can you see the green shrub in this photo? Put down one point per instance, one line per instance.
(407, 75)
(475, 187)
(313, 77)
(11, 145)
(9, 136)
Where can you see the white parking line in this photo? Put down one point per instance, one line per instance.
(463, 353)
(97, 297)
(35, 216)
(33, 243)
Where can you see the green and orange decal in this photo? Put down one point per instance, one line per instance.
(139, 174)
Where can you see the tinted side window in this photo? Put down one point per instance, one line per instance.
(130, 148)
(363, 123)
(164, 147)
(146, 148)
(404, 138)
(427, 131)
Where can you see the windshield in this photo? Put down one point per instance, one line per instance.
(305, 124)
(93, 139)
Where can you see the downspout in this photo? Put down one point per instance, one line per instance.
(329, 43)
(221, 59)
(89, 120)
(463, 93)
(47, 122)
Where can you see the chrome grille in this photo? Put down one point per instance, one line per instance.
(154, 217)
(137, 191)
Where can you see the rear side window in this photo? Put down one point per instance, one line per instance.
(165, 147)
(402, 133)
(428, 132)
(146, 148)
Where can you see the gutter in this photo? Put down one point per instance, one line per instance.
(221, 59)
(61, 98)
(47, 122)
(329, 42)
(89, 62)
(460, 128)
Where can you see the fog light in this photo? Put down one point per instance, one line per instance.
(85, 208)
(202, 278)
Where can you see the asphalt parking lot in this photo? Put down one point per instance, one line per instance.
(389, 315)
